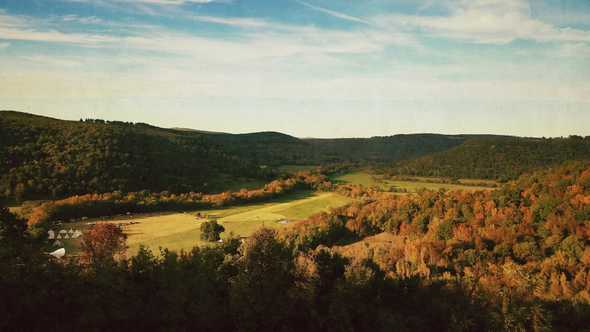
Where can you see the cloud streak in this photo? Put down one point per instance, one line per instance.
(24, 29)
(177, 2)
(333, 13)
(237, 22)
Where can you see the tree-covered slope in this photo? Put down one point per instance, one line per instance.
(383, 148)
(500, 158)
(44, 157)
(265, 148)
(47, 158)
(272, 148)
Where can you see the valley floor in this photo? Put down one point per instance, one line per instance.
(411, 186)
(181, 231)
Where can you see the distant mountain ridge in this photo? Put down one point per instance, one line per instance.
(44, 157)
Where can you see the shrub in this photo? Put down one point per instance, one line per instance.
(210, 231)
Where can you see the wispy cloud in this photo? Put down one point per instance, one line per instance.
(486, 22)
(52, 61)
(156, 2)
(273, 62)
(176, 2)
(269, 39)
(53, 36)
(234, 21)
(333, 13)
(82, 19)
(54, 30)
(21, 28)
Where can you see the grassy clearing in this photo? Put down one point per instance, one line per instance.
(368, 180)
(178, 231)
(376, 244)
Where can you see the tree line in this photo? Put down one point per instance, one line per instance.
(117, 203)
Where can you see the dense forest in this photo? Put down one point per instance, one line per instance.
(377, 150)
(498, 158)
(513, 259)
(524, 248)
(45, 158)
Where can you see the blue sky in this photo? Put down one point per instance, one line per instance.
(313, 68)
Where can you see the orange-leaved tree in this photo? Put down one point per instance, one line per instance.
(103, 244)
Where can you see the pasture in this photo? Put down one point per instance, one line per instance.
(413, 185)
(181, 231)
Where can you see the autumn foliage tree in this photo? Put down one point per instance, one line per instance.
(524, 246)
(103, 244)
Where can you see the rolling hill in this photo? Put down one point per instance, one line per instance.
(499, 158)
(44, 157)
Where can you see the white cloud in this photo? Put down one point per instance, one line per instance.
(23, 28)
(269, 40)
(486, 21)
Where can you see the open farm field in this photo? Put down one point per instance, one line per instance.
(412, 185)
(181, 231)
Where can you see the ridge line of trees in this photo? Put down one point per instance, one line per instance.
(117, 203)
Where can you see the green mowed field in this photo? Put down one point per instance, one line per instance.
(180, 231)
(368, 180)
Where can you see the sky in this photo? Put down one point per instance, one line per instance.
(313, 68)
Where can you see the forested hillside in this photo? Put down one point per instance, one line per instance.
(272, 148)
(265, 148)
(42, 157)
(525, 248)
(381, 149)
(48, 158)
(499, 158)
